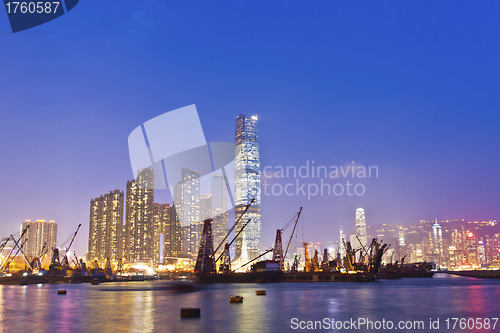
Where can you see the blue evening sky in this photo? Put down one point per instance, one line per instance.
(410, 87)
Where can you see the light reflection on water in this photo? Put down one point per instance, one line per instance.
(153, 307)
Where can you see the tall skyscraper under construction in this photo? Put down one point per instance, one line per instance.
(138, 242)
(247, 187)
(105, 227)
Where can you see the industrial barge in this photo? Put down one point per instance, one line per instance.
(365, 268)
(59, 271)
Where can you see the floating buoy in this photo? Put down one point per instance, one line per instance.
(190, 312)
(235, 299)
(260, 292)
(61, 292)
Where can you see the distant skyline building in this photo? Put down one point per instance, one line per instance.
(172, 238)
(247, 186)
(139, 230)
(105, 227)
(219, 210)
(39, 233)
(437, 242)
(187, 205)
(205, 206)
(361, 228)
(342, 245)
(161, 222)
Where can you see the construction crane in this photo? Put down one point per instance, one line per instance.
(20, 248)
(278, 249)
(315, 261)
(36, 263)
(55, 264)
(255, 258)
(225, 264)
(6, 263)
(295, 265)
(293, 231)
(349, 256)
(235, 237)
(5, 241)
(234, 226)
(205, 263)
(325, 261)
(308, 261)
(65, 263)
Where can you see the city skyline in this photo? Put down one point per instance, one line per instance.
(369, 84)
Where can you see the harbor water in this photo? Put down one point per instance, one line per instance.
(154, 306)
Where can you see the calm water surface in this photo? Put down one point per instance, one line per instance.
(152, 307)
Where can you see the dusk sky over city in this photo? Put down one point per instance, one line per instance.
(409, 87)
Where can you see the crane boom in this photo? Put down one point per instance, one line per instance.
(293, 231)
(15, 244)
(67, 249)
(235, 224)
(256, 258)
(20, 248)
(239, 232)
(4, 244)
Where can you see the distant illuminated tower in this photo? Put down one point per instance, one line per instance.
(247, 185)
(342, 240)
(360, 228)
(471, 249)
(401, 237)
(437, 241)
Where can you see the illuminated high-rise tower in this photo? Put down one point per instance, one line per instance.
(247, 185)
(138, 240)
(361, 228)
(342, 243)
(219, 210)
(161, 231)
(437, 241)
(105, 227)
(187, 206)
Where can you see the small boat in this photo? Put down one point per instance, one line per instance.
(95, 282)
(260, 292)
(235, 299)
